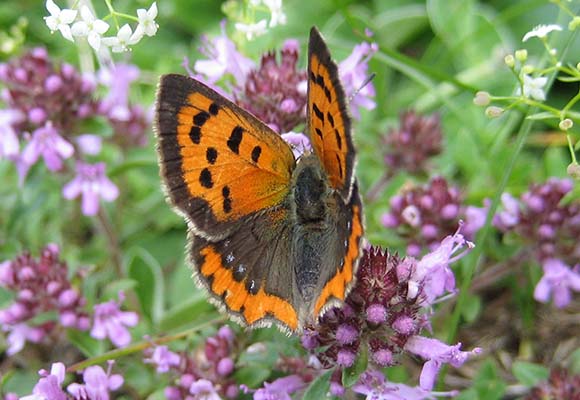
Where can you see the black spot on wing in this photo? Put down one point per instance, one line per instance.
(213, 109)
(327, 94)
(256, 151)
(205, 178)
(195, 134)
(227, 204)
(319, 114)
(340, 171)
(201, 118)
(330, 119)
(211, 155)
(235, 139)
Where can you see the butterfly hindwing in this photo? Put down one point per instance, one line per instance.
(219, 163)
(248, 272)
(329, 124)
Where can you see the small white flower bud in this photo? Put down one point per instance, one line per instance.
(509, 60)
(482, 98)
(566, 124)
(574, 170)
(493, 111)
(521, 55)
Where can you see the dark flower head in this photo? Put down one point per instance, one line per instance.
(387, 309)
(276, 92)
(44, 92)
(380, 289)
(132, 129)
(40, 285)
(541, 220)
(424, 215)
(207, 371)
(561, 385)
(410, 147)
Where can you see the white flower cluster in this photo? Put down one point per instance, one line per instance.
(72, 23)
(277, 17)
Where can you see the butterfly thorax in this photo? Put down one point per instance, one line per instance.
(311, 192)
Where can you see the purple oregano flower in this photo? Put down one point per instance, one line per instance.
(91, 183)
(111, 322)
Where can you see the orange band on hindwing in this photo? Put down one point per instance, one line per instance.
(251, 307)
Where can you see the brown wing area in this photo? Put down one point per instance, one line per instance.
(329, 124)
(247, 272)
(342, 278)
(219, 162)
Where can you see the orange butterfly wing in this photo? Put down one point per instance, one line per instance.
(219, 162)
(329, 124)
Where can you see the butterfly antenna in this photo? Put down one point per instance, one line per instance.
(366, 82)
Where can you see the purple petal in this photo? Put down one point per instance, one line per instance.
(90, 144)
(429, 374)
(90, 203)
(115, 382)
(108, 189)
(72, 189)
(99, 330)
(119, 335)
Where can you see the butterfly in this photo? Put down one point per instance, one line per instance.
(272, 238)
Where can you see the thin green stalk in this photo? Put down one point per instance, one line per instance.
(114, 354)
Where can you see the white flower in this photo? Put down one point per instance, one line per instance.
(277, 15)
(60, 19)
(533, 87)
(90, 27)
(541, 31)
(147, 25)
(252, 30)
(122, 41)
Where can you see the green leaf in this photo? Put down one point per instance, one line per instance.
(488, 384)
(192, 309)
(252, 375)
(575, 362)
(454, 22)
(471, 308)
(555, 160)
(469, 394)
(318, 389)
(84, 342)
(350, 375)
(129, 165)
(120, 285)
(529, 374)
(146, 271)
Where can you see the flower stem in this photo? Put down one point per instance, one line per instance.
(145, 344)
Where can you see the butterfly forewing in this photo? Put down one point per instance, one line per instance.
(329, 124)
(219, 162)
